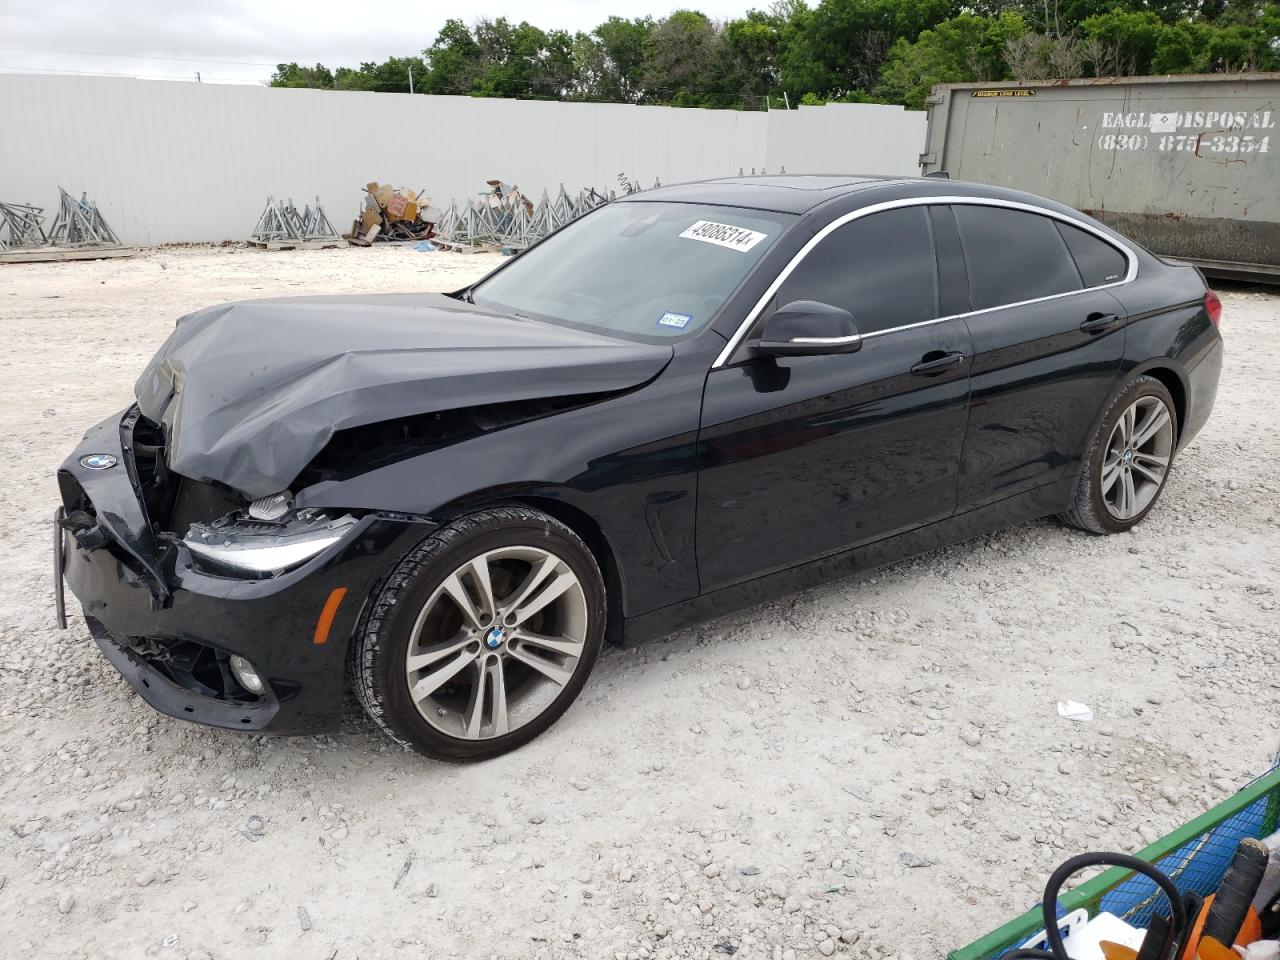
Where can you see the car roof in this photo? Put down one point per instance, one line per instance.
(785, 193)
(796, 193)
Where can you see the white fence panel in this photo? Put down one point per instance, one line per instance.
(846, 138)
(172, 162)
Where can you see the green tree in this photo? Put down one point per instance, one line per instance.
(520, 61)
(454, 60)
(682, 65)
(1177, 49)
(1121, 43)
(556, 76)
(1058, 18)
(749, 53)
(1246, 13)
(390, 76)
(841, 45)
(837, 50)
(1269, 24)
(1240, 47)
(508, 58)
(292, 75)
(962, 49)
(623, 51)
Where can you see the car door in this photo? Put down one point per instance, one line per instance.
(802, 457)
(1047, 344)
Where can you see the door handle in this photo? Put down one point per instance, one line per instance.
(1097, 322)
(936, 365)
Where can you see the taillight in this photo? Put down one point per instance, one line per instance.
(1213, 307)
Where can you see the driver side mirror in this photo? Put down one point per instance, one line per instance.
(807, 328)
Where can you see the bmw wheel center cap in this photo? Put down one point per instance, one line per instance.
(98, 461)
(495, 638)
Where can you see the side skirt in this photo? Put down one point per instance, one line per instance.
(1032, 505)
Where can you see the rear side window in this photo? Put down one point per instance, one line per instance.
(1013, 256)
(1099, 261)
(880, 268)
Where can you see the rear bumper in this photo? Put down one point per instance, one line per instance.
(140, 591)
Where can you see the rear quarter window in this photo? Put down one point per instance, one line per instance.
(1013, 256)
(1098, 261)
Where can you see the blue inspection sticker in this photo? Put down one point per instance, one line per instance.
(678, 320)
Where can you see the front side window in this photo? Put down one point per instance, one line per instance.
(1013, 256)
(641, 269)
(881, 268)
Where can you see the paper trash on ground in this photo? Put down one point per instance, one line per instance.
(1075, 711)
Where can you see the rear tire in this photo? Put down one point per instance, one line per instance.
(482, 635)
(1128, 460)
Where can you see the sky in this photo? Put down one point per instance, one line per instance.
(240, 41)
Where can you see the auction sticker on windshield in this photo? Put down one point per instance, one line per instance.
(724, 235)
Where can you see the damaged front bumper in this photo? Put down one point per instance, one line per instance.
(171, 628)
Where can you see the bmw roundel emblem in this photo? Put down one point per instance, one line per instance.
(494, 638)
(98, 461)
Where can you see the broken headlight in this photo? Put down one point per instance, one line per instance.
(239, 544)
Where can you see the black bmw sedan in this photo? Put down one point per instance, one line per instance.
(685, 402)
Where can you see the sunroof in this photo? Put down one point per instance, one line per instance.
(802, 181)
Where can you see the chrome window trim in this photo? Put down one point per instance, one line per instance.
(852, 338)
(736, 340)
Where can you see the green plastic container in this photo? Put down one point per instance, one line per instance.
(1194, 856)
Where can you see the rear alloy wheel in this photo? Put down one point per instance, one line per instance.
(1128, 460)
(483, 635)
(1137, 458)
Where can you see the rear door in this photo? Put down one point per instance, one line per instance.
(1047, 343)
(802, 457)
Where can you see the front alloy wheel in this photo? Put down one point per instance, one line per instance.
(482, 636)
(496, 643)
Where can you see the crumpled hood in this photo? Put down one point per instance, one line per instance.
(250, 392)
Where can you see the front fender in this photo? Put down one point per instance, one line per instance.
(629, 463)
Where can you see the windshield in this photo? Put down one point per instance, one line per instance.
(641, 269)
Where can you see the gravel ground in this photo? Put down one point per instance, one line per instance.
(874, 768)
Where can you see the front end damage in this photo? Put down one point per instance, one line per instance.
(215, 609)
(190, 529)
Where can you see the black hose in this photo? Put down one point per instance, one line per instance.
(1056, 948)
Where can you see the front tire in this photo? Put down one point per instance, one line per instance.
(482, 636)
(1128, 460)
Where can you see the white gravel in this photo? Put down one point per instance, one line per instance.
(873, 768)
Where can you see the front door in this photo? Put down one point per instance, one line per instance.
(802, 457)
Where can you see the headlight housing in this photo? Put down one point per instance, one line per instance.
(240, 546)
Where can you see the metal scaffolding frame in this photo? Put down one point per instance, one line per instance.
(79, 223)
(281, 222)
(21, 226)
(509, 220)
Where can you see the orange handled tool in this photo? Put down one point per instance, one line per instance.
(1195, 943)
